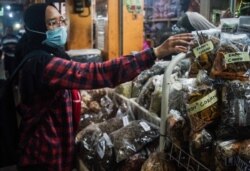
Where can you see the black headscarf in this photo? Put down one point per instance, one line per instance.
(34, 19)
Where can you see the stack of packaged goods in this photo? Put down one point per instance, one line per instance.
(111, 135)
(209, 116)
(208, 122)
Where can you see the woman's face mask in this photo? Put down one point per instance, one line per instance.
(57, 36)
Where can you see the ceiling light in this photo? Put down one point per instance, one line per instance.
(17, 26)
(8, 7)
(10, 15)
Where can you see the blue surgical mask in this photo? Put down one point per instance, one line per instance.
(57, 36)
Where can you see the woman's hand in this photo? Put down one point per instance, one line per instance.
(173, 45)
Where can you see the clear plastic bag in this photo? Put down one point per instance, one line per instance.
(201, 106)
(97, 107)
(88, 118)
(157, 69)
(236, 104)
(203, 53)
(145, 94)
(130, 139)
(177, 93)
(155, 100)
(124, 89)
(232, 60)
(175, 125)
(201, 147)
(241, 39)
(158, 161)
(86, 142)
(150, 95)
(95, 147)
(134, 162)
(229, 25)
(215, 32)
(243, 160)
(226, 154)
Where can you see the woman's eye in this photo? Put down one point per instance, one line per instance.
(52, 22)
(57, 22)
(64, 21)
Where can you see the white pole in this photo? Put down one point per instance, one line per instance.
(165, 96)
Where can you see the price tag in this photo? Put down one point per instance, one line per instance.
(237, 57)
(203, 103)
(125, 120)
(107, 139)
(145, 126)
(101, 146)
(204, 48)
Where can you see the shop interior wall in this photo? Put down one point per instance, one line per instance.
(132, 31)
(80, 28)
(111, 49)
(123, 34)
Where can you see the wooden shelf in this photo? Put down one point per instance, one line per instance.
(160, 20)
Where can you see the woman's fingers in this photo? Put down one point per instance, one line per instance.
(181, 43)
(179, 49)
(187, 38)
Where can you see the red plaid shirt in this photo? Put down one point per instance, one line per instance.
(52, 141)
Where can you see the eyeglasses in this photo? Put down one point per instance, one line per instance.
(56, 22)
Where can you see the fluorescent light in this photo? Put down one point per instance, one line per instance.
(8, 7)
(10, 14)
(17, 26)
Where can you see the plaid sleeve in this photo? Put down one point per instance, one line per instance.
(70, 74)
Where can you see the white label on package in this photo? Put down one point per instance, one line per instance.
(145, 126)
(125, 120)
(107, 139)
(203, 103)
(237, 57)
(204, 48)
(101, 147)
(247, 74)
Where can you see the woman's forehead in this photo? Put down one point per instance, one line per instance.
(51, 12)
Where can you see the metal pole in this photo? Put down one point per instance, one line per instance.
(233, 6)
(165, 96)
(120, 26)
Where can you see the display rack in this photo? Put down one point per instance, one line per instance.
(182, 158)
(175, 153)
(165, 96)
(167, 20)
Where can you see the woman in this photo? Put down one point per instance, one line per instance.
(46, 81)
